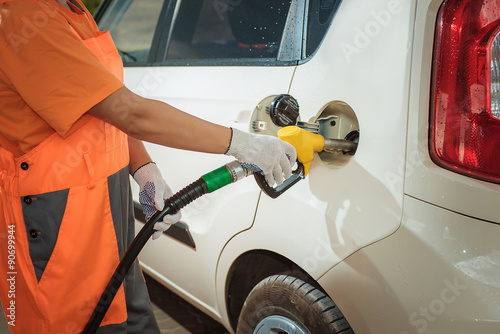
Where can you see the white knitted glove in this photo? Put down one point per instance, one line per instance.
(152, 195)
(268, 155)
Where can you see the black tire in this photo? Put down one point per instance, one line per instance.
(287, 305)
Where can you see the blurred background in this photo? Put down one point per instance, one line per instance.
(91, 4)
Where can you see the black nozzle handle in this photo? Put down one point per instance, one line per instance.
(297, 175)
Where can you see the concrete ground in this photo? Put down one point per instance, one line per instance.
(174, 315)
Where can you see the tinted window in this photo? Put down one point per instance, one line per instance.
(320, 16)
(227, 29)
(217, 32)
(132, 24)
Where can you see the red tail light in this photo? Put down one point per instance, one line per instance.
(465, 103)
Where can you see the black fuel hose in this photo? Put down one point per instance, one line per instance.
(208, 183)
(172, 205)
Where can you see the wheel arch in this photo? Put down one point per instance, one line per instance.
(250, 268)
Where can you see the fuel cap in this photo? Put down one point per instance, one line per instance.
(284, 110)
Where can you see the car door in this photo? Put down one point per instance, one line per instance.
(357, 81)
(216, 60)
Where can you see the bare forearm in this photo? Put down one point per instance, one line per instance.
(138, 154)
(160, 123)
(163, 124)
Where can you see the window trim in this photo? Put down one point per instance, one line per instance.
(158, 43)
(226, 62)
(292, 45)
(101, 9)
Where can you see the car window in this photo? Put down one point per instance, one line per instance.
(230, 30)
(132, 24)
(217, 32)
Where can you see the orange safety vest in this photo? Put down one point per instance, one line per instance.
(61, 206)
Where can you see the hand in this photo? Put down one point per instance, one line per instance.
(265, 154)
(152, 195)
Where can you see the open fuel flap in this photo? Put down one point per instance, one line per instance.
(336, 122)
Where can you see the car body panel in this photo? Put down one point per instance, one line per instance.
(436, 274)
(218, 95)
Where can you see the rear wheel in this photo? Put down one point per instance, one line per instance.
(282, 304)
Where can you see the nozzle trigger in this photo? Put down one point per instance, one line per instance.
(297, 175)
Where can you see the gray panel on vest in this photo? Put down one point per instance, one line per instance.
(43, 215)
(120, 200)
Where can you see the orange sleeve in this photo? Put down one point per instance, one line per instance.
(49, 66)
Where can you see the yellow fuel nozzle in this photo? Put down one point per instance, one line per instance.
(305, 142)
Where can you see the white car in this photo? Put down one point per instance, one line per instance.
(402, 235)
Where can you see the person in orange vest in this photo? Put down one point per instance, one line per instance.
(70, 135)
